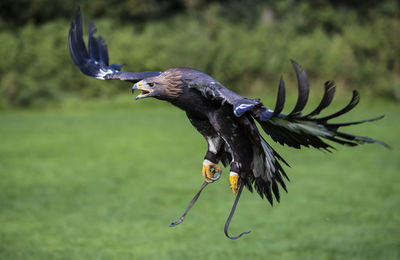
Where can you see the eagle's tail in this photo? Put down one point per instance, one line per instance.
(298, 130)
(273, 174)
(266, 172)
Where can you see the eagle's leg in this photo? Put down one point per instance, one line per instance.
(233, 181)
(210, 163)
(233, 131)
(234, 177)
(211, 171)
(214, 142)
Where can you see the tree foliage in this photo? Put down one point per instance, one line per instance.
(246, 45)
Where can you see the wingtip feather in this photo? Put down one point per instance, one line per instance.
(303, 88)
(280, 99)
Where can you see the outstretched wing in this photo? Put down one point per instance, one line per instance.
(298, 130)
(213, 90)
(95, 62)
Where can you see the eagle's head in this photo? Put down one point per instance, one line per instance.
(166, 86)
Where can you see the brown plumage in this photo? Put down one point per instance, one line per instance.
(171, 80)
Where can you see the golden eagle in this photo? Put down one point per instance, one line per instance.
(226, 119)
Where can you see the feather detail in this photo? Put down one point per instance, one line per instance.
(172, 80)
(326, 99)
(296, 130)
(280, 100)
(303, 87)
(95, 63)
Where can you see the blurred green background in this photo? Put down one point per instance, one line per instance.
(246, 45)
(87, 173)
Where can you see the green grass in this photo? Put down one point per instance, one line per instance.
(103, 181)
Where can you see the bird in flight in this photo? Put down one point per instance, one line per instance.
(228, 120)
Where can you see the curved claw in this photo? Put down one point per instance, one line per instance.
(215, 178)
(211, 171)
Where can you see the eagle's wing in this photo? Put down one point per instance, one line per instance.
(213, 90)
(95, 62)
(298, 130)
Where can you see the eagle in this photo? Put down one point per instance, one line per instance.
(227, 120)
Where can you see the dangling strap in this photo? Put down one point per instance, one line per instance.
(180, 220)
(228, 221)
(193, 201)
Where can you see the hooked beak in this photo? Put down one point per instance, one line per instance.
(146, 90)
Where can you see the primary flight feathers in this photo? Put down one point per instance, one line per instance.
(95, 62)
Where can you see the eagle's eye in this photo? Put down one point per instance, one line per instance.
(151, 84)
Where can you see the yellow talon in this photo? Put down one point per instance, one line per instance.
(209, 170)
(233, 180)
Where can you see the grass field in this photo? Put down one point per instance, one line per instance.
(103, 181)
